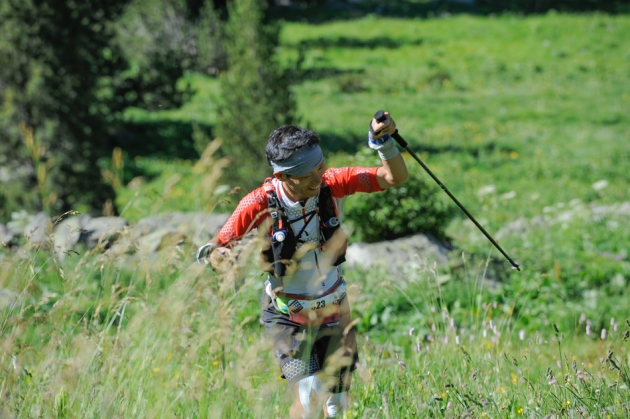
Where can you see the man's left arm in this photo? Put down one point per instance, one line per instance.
(393, 172)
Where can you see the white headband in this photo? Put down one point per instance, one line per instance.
(302, 162)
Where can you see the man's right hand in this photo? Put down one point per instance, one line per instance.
(218, 256)
(212, 254)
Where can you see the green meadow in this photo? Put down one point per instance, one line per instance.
(526, 120)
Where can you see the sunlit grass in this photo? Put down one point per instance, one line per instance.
(115, 335)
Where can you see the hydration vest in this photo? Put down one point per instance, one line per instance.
(284, 241)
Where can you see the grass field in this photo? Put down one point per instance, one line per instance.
(524, 119)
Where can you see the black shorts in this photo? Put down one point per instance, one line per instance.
(304, 350)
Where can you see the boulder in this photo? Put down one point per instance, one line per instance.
(159, 240)
(395, 255)
(6, 236)
(9, 299)
(38, 229)
(68, 232)
(196, 227)
(102, 228)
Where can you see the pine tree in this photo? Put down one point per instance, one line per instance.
(256, 96)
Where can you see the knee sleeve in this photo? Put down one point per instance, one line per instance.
(311, 389)
(336, 404)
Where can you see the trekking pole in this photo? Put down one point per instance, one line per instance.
(380, 117)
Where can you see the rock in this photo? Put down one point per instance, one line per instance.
(68, 232)
(9, 299)
(624, 209)
(396, 254)
(38, 229)
(196, 227)
(6, 235)
(159, 240)
(103, 228)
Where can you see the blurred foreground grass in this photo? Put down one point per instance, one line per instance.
(113, 335)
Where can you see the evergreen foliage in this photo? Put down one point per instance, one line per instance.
(255, 92)
(64, 83)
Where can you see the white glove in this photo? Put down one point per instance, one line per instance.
(203, 253)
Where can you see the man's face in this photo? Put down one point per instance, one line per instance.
(303, 187)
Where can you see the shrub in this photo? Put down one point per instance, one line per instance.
(414, 207)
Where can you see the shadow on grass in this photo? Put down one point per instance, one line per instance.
(347, 42)
(319, 73)
(163, 139)
(321, 11)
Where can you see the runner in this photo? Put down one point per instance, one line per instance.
(304, 309)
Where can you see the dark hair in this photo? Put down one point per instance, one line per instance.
(285, 140)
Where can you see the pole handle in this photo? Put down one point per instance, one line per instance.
(380, 117)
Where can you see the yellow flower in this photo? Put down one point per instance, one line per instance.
(567, 403)
(501, 390)
(215, 363)
(251, 339)
(443, 395)
(520, 411)
(483, 415)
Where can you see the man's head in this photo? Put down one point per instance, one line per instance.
(286, 140)
(296, 158)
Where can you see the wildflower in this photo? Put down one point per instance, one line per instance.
(597, 391)
(449, 404)
(501, 390)
(402, 364)
(567, 403)
(411, 331)
(520, 411)
(588, 328)
(603, 335)
(552, 382)
(582, 318)
(521, 334)
(215, 363)
(457, 339)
